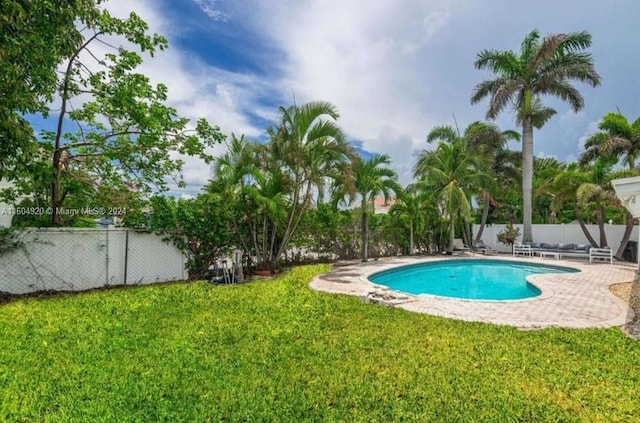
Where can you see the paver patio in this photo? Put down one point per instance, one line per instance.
(571, 300)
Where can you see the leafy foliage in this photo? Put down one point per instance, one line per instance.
(273, 185)
(200, 227)
(35, 36)
(617, 139)
(114, 130)
(452, 173)
(509, 234)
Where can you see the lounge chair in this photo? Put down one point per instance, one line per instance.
(480, 246)
(459, 246)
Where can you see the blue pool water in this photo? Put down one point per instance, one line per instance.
(470, 279)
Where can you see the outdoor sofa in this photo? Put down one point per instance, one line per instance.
(560, 250)
(572, 250)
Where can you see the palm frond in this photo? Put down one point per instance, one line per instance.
(617, 125)
(442, 133)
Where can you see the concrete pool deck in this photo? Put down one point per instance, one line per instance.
(570, 300)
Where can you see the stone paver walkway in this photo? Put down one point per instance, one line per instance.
(571, 300)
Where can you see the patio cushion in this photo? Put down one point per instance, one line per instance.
(566, 247)
(534, 244)
(546, 246)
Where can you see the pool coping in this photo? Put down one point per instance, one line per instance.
(570, 300)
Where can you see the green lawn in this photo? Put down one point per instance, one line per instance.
(277, 351)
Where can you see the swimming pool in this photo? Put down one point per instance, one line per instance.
(470, 279)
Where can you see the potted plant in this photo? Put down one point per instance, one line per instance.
(509, 234)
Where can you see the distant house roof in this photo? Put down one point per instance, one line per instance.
(380, 206)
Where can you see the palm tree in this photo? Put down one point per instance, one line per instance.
(598, 197)
(618, 138)
(308, 145)
(451, 173)
(487, 141)
(277, 182)
(411, 205)
(371, 178)
(258, 189)
(542, 67)
(564, 188)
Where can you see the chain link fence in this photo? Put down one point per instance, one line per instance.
(73, 259)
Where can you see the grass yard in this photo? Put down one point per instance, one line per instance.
(277, 351)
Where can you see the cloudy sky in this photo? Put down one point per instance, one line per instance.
(394, 69)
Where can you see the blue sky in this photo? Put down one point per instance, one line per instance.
(394, 69)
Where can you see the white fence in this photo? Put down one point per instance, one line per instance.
(561, 233)
(79, 259)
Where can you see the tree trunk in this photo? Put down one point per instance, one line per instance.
(452, 233)
(411, 246)
(583, 226)
(468, 232)
(365, 232)
(603, 234)
(485, 216)
(527, 178)
(625, 238)
(56, 195)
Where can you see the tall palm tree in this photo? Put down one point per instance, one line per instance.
(542, 67)
(371, 178)
(451, 173)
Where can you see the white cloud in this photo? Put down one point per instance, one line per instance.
(210, 9)
(365, 60)
(394, 69)
(195, 88)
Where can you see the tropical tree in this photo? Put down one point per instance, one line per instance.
(542, 67)
(452, 174)
(490, 143)
(112, 125)
(411, 205)
(35, 36)
(617, 140)
(257, 192)
(309, 146)
(279, 181)
(371, 177)
(599, 198)
(563, 189)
